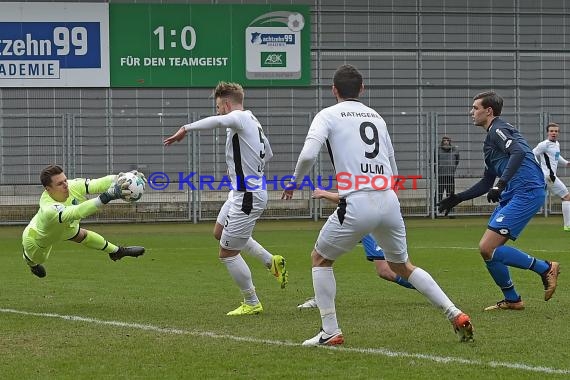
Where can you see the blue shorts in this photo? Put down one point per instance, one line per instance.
(371, 249)
(512, 216)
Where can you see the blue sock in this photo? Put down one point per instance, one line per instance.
(516, 258)
(500, 273)
(400, 281)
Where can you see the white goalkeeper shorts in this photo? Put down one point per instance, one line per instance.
(361, 213)
(238, 216)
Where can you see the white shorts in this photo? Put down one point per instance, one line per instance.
(557, 188)
(361, 213)
(221, 219)
(238, 216)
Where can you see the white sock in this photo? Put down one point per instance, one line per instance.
(427, 286)
(242, 277)
(324, 285)
(566, 213)
(253, 248)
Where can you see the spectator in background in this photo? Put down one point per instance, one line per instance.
(447, 161)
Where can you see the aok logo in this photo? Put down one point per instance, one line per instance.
(273, 59)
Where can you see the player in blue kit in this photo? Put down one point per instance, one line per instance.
(520, 192)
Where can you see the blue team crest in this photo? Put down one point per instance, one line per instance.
(256, 38)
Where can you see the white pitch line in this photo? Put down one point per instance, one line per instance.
(411, 248)
(477, 249)
(373, 351)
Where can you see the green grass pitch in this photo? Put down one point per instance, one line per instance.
(162, 316)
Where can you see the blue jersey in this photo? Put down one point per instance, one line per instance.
(508, 156)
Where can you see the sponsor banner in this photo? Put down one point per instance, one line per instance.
(54, 45)
(181, 45)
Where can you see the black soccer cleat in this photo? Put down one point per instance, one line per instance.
(134, 251)
(38, 270)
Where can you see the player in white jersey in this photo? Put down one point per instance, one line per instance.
(362, 154)
(372, 251)
(247, 151)
(547, 152)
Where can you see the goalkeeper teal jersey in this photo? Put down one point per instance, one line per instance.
(58, 221)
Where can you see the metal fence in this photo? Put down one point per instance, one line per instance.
(422, 62)
(192, 173)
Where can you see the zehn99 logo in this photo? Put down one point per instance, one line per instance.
(64, 39)
(66, 42)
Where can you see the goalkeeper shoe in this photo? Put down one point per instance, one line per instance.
(463, 327)
(278, 270)
(311, 303)
(133, 251)
(550, 278)
(507, 305)
(38, 270)
(245, 309)
(324, 339)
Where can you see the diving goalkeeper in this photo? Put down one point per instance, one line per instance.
(62, 205)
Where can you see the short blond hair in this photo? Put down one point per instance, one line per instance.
(231, 91)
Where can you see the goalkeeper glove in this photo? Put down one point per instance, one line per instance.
(115, 191)
(495, 193)
(446, 204)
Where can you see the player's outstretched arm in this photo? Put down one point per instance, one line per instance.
(289, 190)
(67, 214)
(328, 195)
(178, 136)
(305, 161)
(478, 189)
(446, 204)
(99, 185)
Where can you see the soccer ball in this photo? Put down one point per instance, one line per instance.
(136, 185)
